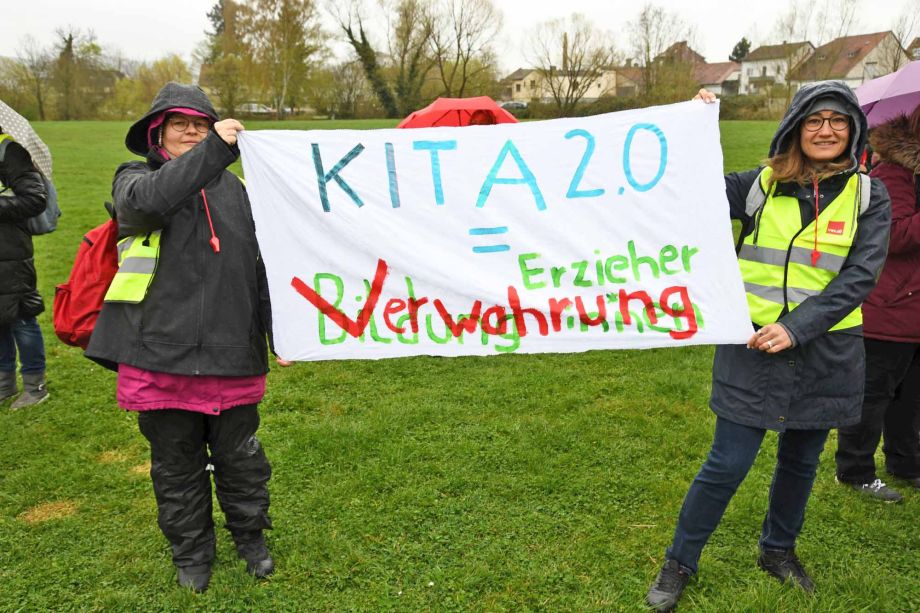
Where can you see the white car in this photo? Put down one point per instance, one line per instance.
(255, 108)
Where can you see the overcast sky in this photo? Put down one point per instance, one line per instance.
(148, 30)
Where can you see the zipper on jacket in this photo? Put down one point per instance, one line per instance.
(201, 279)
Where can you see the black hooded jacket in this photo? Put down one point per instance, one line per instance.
(205, 313)
(24, 197)
(818, 383)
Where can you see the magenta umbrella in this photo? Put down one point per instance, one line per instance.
(894, 94)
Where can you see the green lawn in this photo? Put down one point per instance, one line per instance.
(520, 482)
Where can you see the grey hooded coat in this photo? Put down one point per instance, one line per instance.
(818, 383)
(205, 313)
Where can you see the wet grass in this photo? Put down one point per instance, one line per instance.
(511, 483)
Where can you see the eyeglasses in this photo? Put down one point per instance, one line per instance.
(838, 123)
(180, 124)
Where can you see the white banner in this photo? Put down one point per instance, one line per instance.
(604, 232)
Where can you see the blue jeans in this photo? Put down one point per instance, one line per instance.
(27, 336)
(734, 449)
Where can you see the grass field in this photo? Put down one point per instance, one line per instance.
(513, 483)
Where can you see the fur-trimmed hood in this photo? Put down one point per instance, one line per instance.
(895, 143)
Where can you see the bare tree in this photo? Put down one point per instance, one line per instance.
(570, 57)
(464, 31)
(905, 28)
(651, 34)
(34, 72)
(397, 81)
(824, 23)
(411, 28)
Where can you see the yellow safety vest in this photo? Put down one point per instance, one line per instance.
(776, 258)
(137, 265)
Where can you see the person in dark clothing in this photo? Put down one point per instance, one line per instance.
(22, 195)
(185, 323)
(892, 329)
(814, 235)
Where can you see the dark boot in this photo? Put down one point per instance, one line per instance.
(668, 586)
(34, 391)
(784, 565)
(7, 385)
(196, 578)
(251, 547)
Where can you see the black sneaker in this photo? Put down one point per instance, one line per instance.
(877, 490)
(668, 586)
(784, 565)
(196, 578)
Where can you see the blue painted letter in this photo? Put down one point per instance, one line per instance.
(662, 160)
(391, 174)
(574, 192)
(433, 146)
(324, 178)
(526, 177)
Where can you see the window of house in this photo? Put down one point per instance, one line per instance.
(517, 87)
(533, 84)
(763, 71)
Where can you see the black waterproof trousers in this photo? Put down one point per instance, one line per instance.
(891, 406)
(180, 442)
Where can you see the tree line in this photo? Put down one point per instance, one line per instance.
(402, 54)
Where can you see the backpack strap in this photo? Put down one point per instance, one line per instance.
(756, 195)
(865, 192)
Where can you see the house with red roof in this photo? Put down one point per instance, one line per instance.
(852, 59)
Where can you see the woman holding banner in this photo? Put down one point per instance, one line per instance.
(813, 240)
(185, 323)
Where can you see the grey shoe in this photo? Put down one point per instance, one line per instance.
(195, 578)
(34, 392)
(8, 387)
(668, 586)
(877, 490)
(251, 547)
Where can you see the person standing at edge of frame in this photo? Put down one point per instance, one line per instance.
(892, 312)
(185, 322)
(20, 301)
(813, 240)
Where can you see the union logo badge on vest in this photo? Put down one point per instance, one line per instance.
(836, 227)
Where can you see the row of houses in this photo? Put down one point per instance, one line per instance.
(853, 59)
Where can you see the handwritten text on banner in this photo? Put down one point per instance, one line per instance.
(602, 232)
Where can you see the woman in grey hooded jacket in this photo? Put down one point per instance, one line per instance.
(813, 240)
(186, 327)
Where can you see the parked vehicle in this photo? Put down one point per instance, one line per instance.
(254, 108)
(514, 105)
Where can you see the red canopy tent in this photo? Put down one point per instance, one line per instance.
(454, 112)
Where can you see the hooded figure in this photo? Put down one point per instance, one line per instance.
(813, 240)
(22, 195)
(185, 327)
(891, 403)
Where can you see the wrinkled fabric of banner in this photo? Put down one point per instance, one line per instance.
(605, 232)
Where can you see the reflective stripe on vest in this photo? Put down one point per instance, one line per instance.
(777, 269)
(137, 265)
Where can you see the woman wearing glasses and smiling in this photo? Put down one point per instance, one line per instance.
(185, 323)
(813, 240)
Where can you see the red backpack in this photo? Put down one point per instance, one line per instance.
(78, 302)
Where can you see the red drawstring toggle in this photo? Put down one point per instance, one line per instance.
(214, 242)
